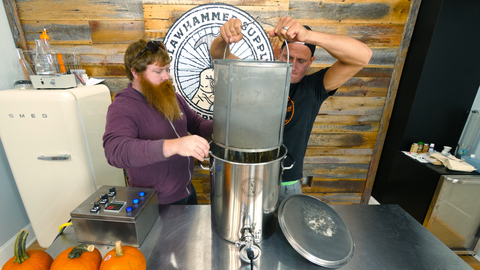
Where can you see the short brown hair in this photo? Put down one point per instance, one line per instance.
(139, 63)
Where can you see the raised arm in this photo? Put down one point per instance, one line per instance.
(351, 54)
(230, 32)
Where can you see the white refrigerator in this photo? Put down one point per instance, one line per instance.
(53, 143)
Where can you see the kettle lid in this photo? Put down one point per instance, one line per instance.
(315, 231)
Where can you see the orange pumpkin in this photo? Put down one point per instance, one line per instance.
(81, 257)
(123, 258)
(27, 260)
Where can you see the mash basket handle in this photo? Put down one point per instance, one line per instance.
(201, 166)
(286, 45)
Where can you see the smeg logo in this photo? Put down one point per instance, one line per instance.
(32, 115)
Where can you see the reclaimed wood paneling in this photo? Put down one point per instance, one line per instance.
(107, 32)
(337, 170)
(314, 151)
(338, 159)
(230, 2)
(337, 186)
(60, 32)
(345, 127)
(355, 91)
(349, 140)
(348, 134)
(15, 24)
(394, 12)
(337, 198)
(353, 105)
(81, 10)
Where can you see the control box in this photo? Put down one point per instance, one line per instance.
(116, 213)
(60, 81)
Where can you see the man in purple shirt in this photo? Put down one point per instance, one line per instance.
(151, 131)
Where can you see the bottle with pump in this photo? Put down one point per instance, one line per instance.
(45, 60)
(61, 64)
(48, 60)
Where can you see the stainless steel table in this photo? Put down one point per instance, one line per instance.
(385, 236)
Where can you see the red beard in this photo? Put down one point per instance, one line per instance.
(162, 98)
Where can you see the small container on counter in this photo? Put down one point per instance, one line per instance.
(425, 148)
(420, 147)
(431, 149)
(414, 148)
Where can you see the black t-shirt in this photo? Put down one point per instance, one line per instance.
(304, 101)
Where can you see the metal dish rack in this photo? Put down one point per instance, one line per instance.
(64, 62)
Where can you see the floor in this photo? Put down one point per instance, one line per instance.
(35, 246)
(474, 263)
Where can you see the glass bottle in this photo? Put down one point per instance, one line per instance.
(27, 71)
(45, 61)
(59, 57)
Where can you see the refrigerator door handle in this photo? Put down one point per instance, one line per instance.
(462, 181)
(59, 157)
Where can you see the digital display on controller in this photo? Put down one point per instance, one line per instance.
(115, 206)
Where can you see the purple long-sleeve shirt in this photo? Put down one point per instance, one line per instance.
(134, 137)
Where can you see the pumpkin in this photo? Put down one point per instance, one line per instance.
(81, 257)
(26, 260)
(123, 258)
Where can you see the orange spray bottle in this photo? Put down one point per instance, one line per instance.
(61, 64)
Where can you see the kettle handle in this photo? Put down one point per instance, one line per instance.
(201, 166)
(291, 166)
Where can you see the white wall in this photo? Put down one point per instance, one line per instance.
(12, 213)
(476, 151)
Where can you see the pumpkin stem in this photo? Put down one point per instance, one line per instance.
(19, 251)
(78, 250)
(118, 249)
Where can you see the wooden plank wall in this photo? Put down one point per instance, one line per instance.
(348, 127)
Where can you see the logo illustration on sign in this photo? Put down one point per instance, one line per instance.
(252, 186)
(188, 45)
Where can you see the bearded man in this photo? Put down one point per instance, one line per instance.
(151, 131)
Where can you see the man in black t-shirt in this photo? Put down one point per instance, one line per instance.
(307, 92)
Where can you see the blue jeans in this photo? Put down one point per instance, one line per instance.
(286, 191)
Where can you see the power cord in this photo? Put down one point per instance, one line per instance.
(251, 256)
(63, 227)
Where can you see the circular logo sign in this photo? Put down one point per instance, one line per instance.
(188, 45)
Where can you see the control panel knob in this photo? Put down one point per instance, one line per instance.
(141, 194)
(129, 209)
(96, 207)
(103, 199)
(136, 201)
(112, 192)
